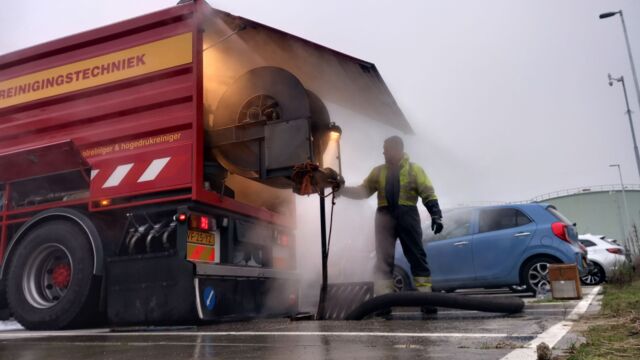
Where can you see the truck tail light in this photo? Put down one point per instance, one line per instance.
(201, 222)
(283, 239)
(615, 251)
(293, 299)
(204, 223)
(182, 217)
(559, 229)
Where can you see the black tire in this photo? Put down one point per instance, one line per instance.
(541, 267)
(594, 276)
(5, 314)
(401, 280)
(50, 281)
(3, 295)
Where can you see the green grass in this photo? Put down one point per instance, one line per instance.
(621, 300)
(616, 330)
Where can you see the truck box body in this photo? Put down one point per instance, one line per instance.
(115, 121)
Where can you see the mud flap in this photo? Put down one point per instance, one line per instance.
(220, 298)
(155, 289)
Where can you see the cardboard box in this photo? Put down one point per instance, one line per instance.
(565, 281)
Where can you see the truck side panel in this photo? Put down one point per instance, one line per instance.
(124, 97)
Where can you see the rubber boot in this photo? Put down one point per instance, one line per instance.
(381, 287)
(423, 284)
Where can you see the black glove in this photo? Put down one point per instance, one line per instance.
(335, 180)
(436, 224)
(340, 184)
(433, 207)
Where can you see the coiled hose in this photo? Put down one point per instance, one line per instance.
(508, 305)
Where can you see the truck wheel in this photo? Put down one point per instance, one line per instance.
(4, 306)
(50, 281)
(3, 295)
(536, 273)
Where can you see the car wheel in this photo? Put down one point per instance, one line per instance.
(50, 281)
(536, 274)
(595, 275)
(401, 280)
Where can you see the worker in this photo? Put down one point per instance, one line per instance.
(399, 183)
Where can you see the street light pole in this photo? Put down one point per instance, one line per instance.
(633, 132)
(626, 209)
(626, 38)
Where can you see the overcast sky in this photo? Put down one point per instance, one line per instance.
(509, 99)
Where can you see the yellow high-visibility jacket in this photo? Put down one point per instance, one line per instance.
(414, 182)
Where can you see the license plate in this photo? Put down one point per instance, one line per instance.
(201, 238)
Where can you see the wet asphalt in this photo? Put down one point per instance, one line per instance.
(451, 334)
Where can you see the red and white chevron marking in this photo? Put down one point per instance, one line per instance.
(142, 173)
(119, 173)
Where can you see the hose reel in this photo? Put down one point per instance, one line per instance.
(265, 124)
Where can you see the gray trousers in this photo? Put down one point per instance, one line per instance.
(401, 222)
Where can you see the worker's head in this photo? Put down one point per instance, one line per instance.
(393, 150)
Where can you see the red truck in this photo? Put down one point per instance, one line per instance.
(146, 167)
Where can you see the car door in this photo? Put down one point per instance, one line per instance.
(449, 254)
(503, 235)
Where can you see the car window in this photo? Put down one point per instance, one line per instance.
(456, 223)
(587, 243)
(502, 218)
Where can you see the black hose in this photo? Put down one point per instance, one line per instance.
(158, 229)
(138, 235)
(508, 305)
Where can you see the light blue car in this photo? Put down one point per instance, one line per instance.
(496, 246)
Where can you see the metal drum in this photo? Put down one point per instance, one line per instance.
(264, 124)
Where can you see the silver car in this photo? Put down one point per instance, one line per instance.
(604, 258)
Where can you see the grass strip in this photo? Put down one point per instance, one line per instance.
(615, 332)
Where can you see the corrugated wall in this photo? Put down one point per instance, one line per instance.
(599, 212)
